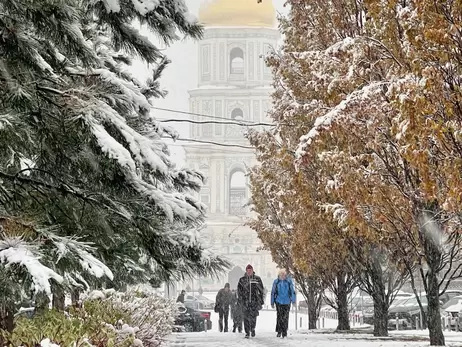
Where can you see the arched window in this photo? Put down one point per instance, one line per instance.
(237, 114)
(237, 194)
(236, 61)
(237, 249)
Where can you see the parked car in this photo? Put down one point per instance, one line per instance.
(408, 310)
(402, 295)
(302, 304)
(199, 302)
(192, 320)
(454, 313)
(368, 312)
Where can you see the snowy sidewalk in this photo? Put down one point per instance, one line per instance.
(295, 339)
(266, 337)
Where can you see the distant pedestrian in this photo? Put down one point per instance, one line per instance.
(250, 295)
(236, 312)
(282, 294)
(222, 303)
(181, 297)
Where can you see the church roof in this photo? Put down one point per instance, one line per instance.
(238, 13)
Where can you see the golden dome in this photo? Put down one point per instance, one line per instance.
(238, 13)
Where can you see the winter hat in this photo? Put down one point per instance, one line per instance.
(227, 285)
(249, 267)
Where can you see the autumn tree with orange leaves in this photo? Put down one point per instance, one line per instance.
(309, 73)
(293, 234)
(380, 84)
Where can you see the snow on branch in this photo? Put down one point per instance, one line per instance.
(145, 6)
(112, 148)
(6, 120)
(338, 211)
(142, 152)
(16, 251)
(67, 246)
(335, 114)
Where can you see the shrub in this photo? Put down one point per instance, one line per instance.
(152, 316)
(98, 323)
(107, 318)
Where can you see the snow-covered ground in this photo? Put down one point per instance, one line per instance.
(303, 338)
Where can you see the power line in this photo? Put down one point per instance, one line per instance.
(205, 115)
(191, 145)
(211, 143)
(212, 122)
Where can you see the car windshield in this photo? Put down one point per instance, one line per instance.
(398, 302)
(414, 302)
(454, 301)
(361, 302)
(201, 297)
(191, 304)
(403, 296)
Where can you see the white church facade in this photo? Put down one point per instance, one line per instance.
(234, 86)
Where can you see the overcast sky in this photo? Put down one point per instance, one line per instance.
(181, 76)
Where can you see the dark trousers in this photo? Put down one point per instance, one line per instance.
(237, 320)
(282, 320)
(250, 320)
(223, 315)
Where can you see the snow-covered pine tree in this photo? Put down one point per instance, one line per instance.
(87, 187)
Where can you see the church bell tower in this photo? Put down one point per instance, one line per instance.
(234, 87)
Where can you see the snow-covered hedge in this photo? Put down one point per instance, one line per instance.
(107, 318)
(151, 316)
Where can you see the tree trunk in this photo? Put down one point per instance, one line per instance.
(432, 245)
(342, 304)
(312, 290)
(59, 297)
(313, 312)
(380, 316)
(7, 317)
(42, 302)
(433, 299)
(379, 296)
(75, 297)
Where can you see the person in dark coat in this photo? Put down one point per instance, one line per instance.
(282, 294)
(236, 312)
(250, 294)
(181, 297)
(222, 303)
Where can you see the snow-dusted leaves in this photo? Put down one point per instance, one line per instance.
(16, 251)
(67, 247)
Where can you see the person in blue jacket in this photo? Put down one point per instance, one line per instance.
(282, 294)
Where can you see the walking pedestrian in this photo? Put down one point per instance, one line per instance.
(282, 294)
(250, 295)
(181, 297)
(222, 303)
(236, 312)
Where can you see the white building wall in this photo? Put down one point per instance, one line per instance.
(218, 93)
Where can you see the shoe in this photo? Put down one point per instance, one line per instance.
(284, 335)
(234, 330)
(226, 330)
(253, 333)
(278, 335)
(247, 336)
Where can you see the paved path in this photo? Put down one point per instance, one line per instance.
(214, 339)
